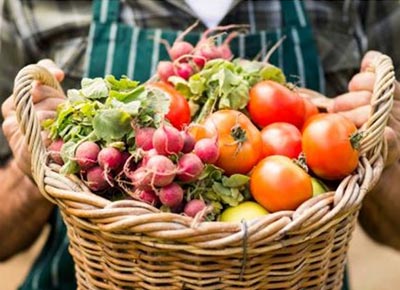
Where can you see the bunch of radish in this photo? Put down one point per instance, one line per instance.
(171, 160)
(165, 160)
(187, 59)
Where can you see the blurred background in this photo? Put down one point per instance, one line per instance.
(372, 267)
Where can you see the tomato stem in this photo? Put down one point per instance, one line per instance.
(238, 134)
(301, 161)
(355, 140)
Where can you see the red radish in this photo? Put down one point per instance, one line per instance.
(181, 47)
(110, 158)
(207, 149)
(224, 49)
(144, 137)
(125, 157)
(198, 59)
(188, 142)
(148, 196)
(171, 195)
(97, 179)
(55, 151)
(209, 51)
(206, 46)
(147, 155)
(167, 140)
(130, 165)
(184, 70)
(161, 170)
(194, 206)
(86, 154)
(165, 69)
(189, 167)
(140, 178)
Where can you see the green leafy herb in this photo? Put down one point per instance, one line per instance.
(111, 124)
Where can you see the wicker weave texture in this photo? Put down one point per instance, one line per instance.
(131, 245)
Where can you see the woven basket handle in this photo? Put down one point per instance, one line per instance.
(27, 119)
(381, 103)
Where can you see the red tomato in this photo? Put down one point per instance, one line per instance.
(272, 102)
(329, 145)
(277, 183)
(310, 109)
(239, 141)
(179, 110)
(281, 139)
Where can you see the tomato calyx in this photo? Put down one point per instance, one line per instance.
(238, 134)
(355, 140)
(301, 161)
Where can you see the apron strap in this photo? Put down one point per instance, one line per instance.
(105, 11)
(293, 13)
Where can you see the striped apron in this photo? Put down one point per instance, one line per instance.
(119, 49)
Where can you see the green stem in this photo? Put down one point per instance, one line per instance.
(207, 109)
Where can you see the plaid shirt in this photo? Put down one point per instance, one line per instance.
(344, 30)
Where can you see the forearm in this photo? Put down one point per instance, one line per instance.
(23, 211)
(380, 214)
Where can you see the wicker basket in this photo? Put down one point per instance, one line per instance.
(131, 245)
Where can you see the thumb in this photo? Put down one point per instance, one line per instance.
(53, 68)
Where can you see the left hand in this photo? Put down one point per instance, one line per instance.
(356, 105)
(380, 213)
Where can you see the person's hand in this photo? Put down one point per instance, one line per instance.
(356, 105)
(45, 100)
(380, 212)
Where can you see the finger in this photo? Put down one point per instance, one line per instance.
(350, 101)
(40, 92)
(7, 107)
(392, 146)
(368, 59)
(308, 93)
(53, 68)
(397, 90)
(50, 104)
(358, 115)
(45, 115)
(45, 138)
(363, 81)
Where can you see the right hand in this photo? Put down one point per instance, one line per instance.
(45, 100)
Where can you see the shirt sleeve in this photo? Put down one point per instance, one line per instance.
(13, 56)
(381, 22)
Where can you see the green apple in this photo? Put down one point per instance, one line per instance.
(247, 210)
(318, 186)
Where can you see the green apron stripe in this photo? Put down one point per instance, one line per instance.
(299, 56)
(263, 44)
(104, 10)
(242, 47)
(300, 13)
(271, 39)
(42, 267)
(99, 51)
(111, 49)
(278, 33)
(133, 53)
(123, 43)
(143, 55)
(156, 51)
(169, 37)
(321, 79)
(55, 265)
(291, 16)
(252, 20)
(89, 48)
